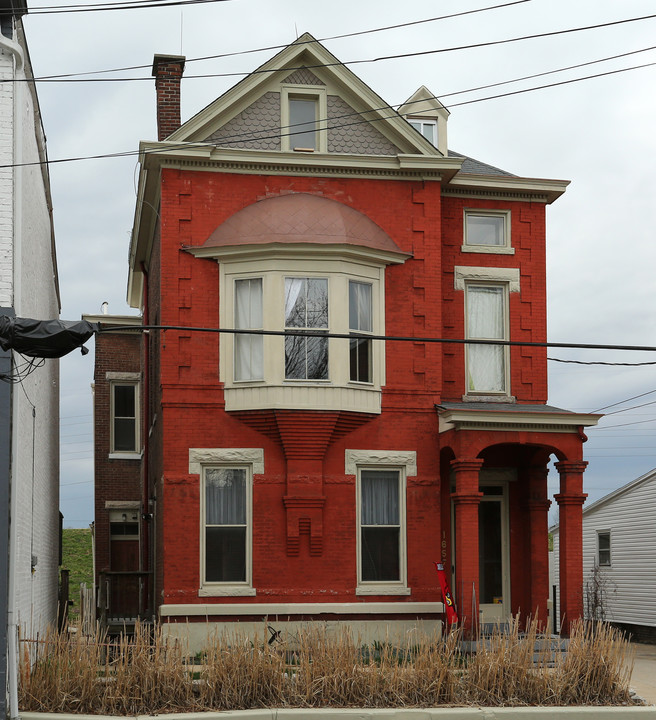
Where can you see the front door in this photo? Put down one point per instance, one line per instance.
(493, 555)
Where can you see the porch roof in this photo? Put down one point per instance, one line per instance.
(511, 416)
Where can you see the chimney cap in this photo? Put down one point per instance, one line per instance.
(167, 60)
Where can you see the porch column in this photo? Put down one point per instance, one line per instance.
(466, 499)
(538, 509)
(570, 507)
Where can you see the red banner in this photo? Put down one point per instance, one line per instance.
(451, 614)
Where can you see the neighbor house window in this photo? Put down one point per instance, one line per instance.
(381, 526)
(428, 128)
(249, 361)
(487, 231)
(124, 417)
(361, 321)
(486, 319)
(306, 309)
(603, 548)
(227, 521)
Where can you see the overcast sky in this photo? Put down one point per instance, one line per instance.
(598, 133)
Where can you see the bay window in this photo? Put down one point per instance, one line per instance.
(486, 319)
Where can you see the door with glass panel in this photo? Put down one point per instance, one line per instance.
(493, 553)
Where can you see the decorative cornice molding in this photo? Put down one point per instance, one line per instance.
(464, 273)
(354, 458)
(224, 456)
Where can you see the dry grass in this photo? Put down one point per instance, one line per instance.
(147, 675)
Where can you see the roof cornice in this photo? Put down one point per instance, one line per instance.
(501, 420)
(536, 189)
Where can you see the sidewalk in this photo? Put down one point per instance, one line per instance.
(643, 679)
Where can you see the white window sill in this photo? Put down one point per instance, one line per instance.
(382, 590)
(492, 249)
(125, 456)
(226, 591)
(489, 398)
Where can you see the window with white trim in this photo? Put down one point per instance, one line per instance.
(303, 118)
(226, 525)
(603, 548)
(487, 231)
(428, 128)
(486, 314)
(306, 308)
(124, 410)
(360, 321)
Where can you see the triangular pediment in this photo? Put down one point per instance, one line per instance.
(352, 118)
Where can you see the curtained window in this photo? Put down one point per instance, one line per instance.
(226, 524)
(380, 526)
(361, 321)
(249, 360)
(486, 320)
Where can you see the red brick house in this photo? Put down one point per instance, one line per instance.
(297, 472)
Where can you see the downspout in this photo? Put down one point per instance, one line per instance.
(147, 517)
(14, 49)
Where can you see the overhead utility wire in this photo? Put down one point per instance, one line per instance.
(621, 402)
(191, 145)
(308, 42)
(128, 5)
(362, 336)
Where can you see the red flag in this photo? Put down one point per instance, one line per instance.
(451, 614)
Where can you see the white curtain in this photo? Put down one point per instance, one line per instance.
(294, 317)
(379, 497)
(486, 321)
(360, 307)
(249, 353)
(225, 496)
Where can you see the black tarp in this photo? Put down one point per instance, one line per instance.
(44, 338)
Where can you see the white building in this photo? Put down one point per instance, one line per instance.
(619, 539)
(29, 409)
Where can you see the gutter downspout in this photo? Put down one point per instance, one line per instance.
(12, 626)
(147, 522)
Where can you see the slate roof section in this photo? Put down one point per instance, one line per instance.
(476, 167)
(501, 407)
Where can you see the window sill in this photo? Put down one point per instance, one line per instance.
(489, 398)
(226, 591)
(491, 249)
(383, 590)
(125, 456)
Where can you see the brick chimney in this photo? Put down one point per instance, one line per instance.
(167, 71)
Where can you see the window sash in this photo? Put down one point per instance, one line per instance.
(302, 123)
(603, 548)
(487, 230)
(306, 308)
(360, 320)
(380, 526)
(428, 128)
(486, 320)
(226, 520)
(124, 410)
(249, 349)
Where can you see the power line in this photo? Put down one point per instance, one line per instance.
(397, 56)
(243, 136)
(128, 5)
(633, 407)
(363, 336)
(621, 402)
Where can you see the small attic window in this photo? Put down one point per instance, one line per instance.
(303, 122)
(428, 128)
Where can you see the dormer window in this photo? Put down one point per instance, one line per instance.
(428, 128)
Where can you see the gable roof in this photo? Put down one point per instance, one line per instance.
(307, 54)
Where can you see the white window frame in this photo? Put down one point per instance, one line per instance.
(304, 92)
(504, 249)
(125, 380)
(252, 461)
(338, 392)
(405, 463)
(505, 392)
(609, 551)
(259, 376)
(353, 281)
(422, 122)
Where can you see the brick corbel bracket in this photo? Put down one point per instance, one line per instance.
(304, 514)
